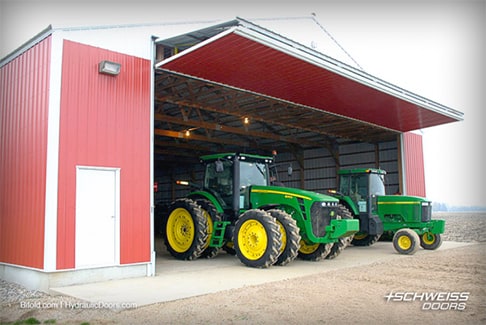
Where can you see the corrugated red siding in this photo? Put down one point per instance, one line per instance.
(24, 100)
(414, 164)
(105, 121)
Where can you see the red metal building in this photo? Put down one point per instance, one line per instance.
(77, 143)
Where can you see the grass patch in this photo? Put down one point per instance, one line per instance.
(30, 321)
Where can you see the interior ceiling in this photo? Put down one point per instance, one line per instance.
(195, 117)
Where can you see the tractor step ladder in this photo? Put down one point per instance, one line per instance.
(217, 238)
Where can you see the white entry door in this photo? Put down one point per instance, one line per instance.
(97, 217)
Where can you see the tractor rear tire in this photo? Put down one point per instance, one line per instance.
(342, 242)
(314, 252)
(290, 236)
(257, 239)
(430, 241)
(211, 215)
(406, 241)
(186, 230)
(364, 239)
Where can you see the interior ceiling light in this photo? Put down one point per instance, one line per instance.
(110, 68)
(188, 131)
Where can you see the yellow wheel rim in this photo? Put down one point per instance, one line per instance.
(180, 230)
(307, 249)
(252, 240)
(404, 242)
(284, 236)
(428, 238)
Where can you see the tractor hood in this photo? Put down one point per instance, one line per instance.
(400, 199)
(294, 193)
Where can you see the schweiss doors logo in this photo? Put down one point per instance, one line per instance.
(432, 300)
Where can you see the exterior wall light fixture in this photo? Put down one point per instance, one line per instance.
(110, 68)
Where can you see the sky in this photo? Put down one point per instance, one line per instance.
(435, 48)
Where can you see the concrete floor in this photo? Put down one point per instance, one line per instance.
(182, 279)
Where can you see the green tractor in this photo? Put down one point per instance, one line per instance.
(407, 218)
(238, 209)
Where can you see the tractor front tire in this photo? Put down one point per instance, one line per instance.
(342, 242)
(257, 239)
(290, 236)
(430, 241)
(406, 241)
(186, 230)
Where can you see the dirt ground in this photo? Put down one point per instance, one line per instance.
(381, 293)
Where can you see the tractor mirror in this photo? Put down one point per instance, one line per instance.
(219, 166)
(290, 170)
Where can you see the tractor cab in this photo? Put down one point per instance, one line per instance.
(229, 177)
(359, 190)
(362, 186)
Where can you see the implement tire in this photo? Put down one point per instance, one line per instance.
(290, 236)
(186, 230)
(257, 239)
(343, 242)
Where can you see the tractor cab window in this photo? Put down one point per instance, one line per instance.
(252, 173)
(358, 190)
(219, 179)
(377, 184)
(356, 187)
(344, 184)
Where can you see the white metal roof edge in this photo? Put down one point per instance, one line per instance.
(195, 47)
(46, 32)
(51, 29)
(281, 43)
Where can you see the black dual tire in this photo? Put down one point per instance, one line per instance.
(211, 215)
(290, 236)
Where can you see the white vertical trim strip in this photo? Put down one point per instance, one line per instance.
(403, 162)
(117, 215)
(151, 266)
(52, 163)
